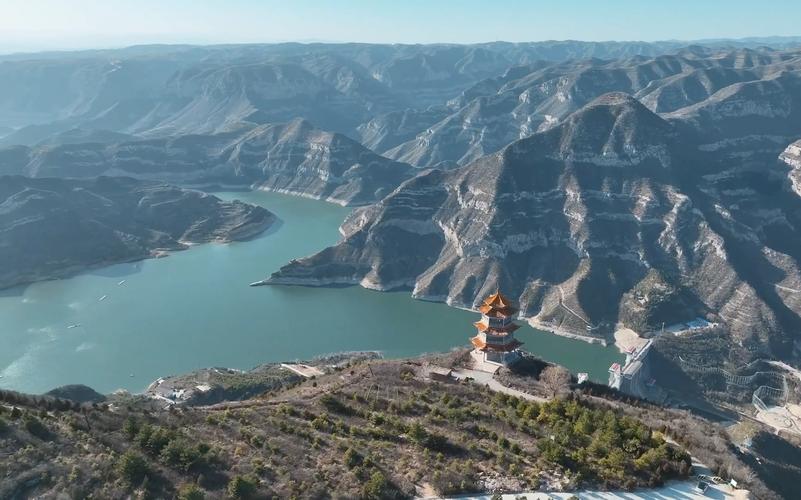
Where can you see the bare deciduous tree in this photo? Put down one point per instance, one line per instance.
(556, 378)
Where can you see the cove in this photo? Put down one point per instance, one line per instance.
(194, 309)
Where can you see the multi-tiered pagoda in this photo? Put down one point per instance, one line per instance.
(496, 342)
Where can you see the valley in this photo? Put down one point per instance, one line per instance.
(194, 309)
(631, 210)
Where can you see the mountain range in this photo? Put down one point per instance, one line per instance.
(292, 157)
(153, 91)
(532, 98)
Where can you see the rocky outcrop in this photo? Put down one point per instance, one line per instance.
(294, 158)
(51, 228)
(792, 156)
(612, 216)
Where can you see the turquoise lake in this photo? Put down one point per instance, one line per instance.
(195, 309)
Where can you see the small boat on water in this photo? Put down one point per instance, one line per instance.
(76, 325)
(121, 282)
(101, 299)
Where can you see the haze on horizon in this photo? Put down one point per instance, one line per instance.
(78, 24)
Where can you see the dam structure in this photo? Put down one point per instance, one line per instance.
(634, 376)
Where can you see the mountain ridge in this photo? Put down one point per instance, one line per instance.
(528, 99)
(293, 157)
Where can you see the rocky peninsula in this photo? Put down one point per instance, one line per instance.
(54, 228)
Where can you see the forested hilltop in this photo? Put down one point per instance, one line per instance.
(371, 429)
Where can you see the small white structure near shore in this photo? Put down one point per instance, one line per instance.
(303, 370)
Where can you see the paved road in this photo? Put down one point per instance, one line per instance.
(487, 379)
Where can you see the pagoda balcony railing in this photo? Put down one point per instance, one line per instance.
(496, 322)
(499, 339)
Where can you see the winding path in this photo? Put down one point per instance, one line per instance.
(485, 378)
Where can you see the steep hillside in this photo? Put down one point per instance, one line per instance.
(336, 436)
(388, 130)
(293, 157)
(533, 98)
(751, 121)
(574, 220)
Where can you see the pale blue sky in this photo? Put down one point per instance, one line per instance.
(47, 24)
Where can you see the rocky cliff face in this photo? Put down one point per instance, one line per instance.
(614, 215)
(792, 157)
(389, 130)
(294, 157)
(751, 121)
(50, 228)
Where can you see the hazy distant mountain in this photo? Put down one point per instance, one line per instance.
(81, 136)
(51, 228)
(293, 157)
(524, 100)
(212, 89)
(167, 90)
(613, 215)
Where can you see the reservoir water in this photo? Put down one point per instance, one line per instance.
(195, 309)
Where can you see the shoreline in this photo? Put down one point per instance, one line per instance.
(301, 194)
(247, 231)
(368, 285)
(75, 270)
(534, 323)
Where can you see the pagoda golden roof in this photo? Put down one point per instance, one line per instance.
(497, 304)
(498, 300)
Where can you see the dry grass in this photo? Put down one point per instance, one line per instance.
(375, 429)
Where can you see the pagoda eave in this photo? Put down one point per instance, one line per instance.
(483, 346)
(485, 328)
(497, 312)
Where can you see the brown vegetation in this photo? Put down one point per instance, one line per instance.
(372, 430)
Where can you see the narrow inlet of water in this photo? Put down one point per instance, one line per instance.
(194, 309)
